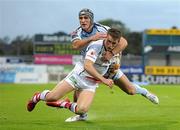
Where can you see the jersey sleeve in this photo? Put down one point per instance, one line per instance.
(107, 27)
(75, 35)
(92, 52)
(102, 28)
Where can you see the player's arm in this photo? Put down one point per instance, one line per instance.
(120, 46)
(80, 43)
(88, 65)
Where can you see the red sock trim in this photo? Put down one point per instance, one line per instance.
(38, 97)
(67, 105)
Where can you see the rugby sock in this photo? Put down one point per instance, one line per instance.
(69, 105)
(36, 97)
(140, 90)
(43, 95)
(73, 107)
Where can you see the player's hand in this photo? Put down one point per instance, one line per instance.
(108, 82)
(113, 68)
(99, 36)
(107, 55)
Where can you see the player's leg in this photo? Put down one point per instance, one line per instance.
(124, 84)
(83, 103)
(131, 88)
(80, 108)
(77, 117)
(87, 90)
(128, 87)
(58, 92)
(63, 104)
(75, 95)
(147, 94)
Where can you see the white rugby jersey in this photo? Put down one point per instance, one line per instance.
(79, 33)
(94, 53)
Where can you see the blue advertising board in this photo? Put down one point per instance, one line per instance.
(6, 77)
(132, 69)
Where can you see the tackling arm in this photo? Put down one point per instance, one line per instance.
(78, 44)
(120, 46)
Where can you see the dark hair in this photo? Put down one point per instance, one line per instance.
(115, 33)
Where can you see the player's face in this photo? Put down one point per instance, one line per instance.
(85, 22)
(110, 43)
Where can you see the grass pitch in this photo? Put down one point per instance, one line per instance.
(109, 111)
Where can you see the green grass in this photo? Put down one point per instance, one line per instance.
(109, 111)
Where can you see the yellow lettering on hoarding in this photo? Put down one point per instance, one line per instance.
(162, 70)
(163, 31)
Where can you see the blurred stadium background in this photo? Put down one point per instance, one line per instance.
(28, 64)
(152, 57)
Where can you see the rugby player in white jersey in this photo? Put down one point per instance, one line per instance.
(84, 78)
(90, 31)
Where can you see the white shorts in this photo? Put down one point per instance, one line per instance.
(80, 82)
(118, 75)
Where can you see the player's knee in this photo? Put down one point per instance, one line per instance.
(131, 91)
